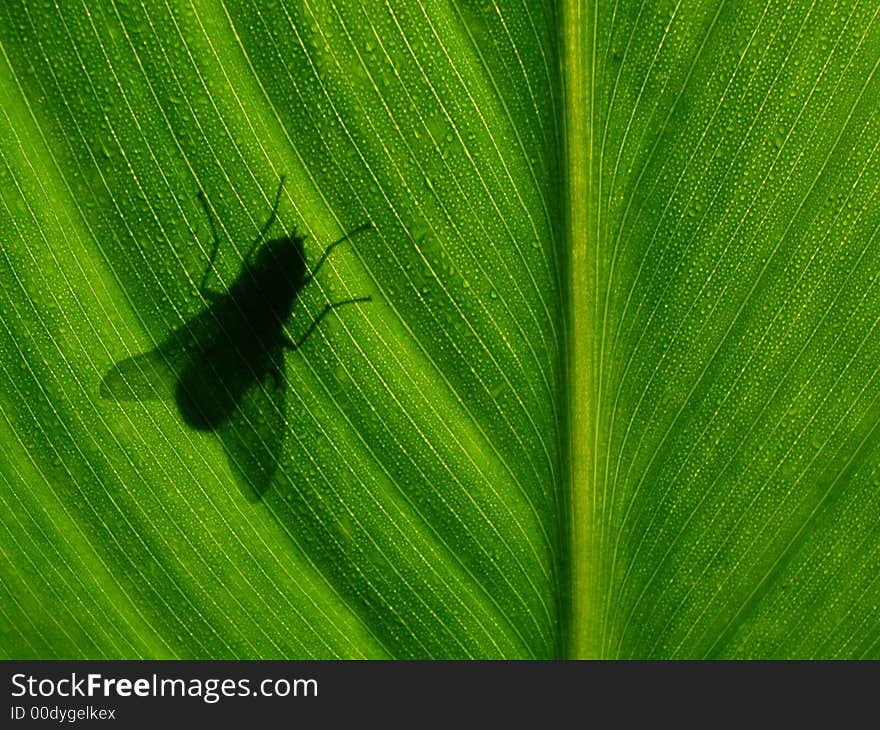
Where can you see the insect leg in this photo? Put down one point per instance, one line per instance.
(359, 229)
(272, 216)
(327, 309)
(203, 284)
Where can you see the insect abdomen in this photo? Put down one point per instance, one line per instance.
(211, 386)
(204, 402)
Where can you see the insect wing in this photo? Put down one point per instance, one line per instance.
(253, 437)
(152, 375)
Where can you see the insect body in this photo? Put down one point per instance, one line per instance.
(225, 368)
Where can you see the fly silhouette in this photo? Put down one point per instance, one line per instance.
(224, 369)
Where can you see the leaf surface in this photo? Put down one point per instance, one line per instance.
(616, 390)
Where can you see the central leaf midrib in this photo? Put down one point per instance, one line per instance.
(581, 639)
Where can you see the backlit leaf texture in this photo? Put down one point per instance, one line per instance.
(616, 392)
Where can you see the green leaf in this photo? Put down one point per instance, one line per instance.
(614, 395)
